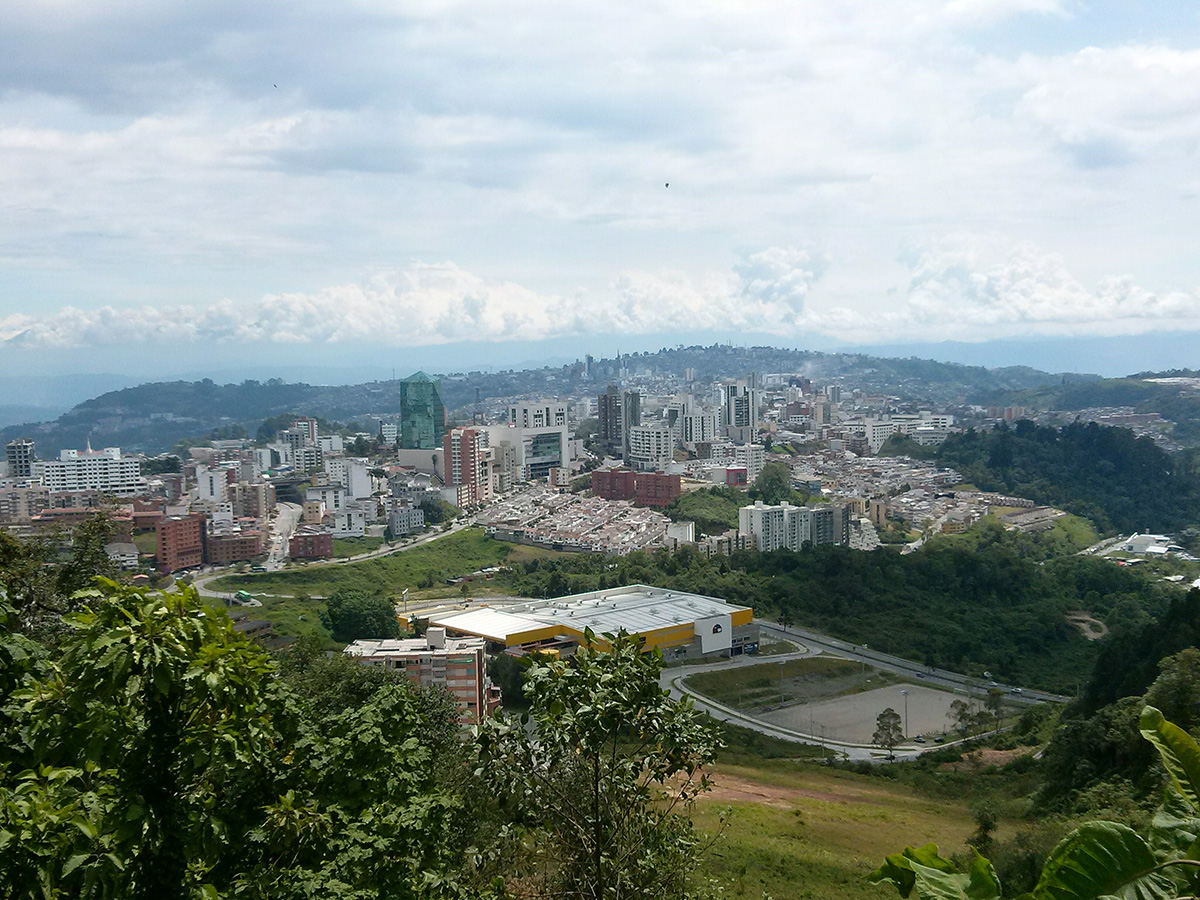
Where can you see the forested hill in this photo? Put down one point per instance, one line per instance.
(1178, 403)
(153, 417)
(1120, 482)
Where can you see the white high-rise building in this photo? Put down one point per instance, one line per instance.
(104, 470)
(651, 447)
(351, 473)
(546, 414)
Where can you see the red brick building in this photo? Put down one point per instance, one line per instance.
(643, 488)
(656, 489)
(227, 548)
(614, 484)
(181, 542)
(310, 544)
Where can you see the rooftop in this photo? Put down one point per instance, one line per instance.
(635, 608)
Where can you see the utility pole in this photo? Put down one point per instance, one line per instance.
(905, 693)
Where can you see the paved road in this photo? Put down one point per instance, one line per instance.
(287, 517)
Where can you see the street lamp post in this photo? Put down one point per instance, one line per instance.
(905, 694)
(781, 664)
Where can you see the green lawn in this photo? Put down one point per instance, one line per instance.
(343, 547)
(146, 542)
(819, 678)
(426, 566)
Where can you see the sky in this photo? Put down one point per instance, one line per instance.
(325, 183)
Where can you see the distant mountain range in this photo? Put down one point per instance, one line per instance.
(153, 417)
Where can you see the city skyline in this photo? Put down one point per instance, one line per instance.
(333, 185)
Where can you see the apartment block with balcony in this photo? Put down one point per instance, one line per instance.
(458, 665)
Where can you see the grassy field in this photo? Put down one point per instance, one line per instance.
(146, 542)
(291, 617)
(427, 566)
(817, 678)
(802, 831)
(343, 547)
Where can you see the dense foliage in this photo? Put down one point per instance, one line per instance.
(148, 750)
(594, 776)
(352, 615)
(155, 754)
(1118, 481)
(1099, 859)
(714, 510)
(993, 601)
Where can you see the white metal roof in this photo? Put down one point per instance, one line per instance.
(636, 609)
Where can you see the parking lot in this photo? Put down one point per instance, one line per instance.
(851, 718)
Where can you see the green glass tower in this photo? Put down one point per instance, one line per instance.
(422, 415)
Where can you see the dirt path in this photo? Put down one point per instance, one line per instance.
(731, 788)
(1090, 628)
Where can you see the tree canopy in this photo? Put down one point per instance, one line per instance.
(355, 615)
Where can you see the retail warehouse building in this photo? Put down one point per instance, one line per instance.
(676, 622)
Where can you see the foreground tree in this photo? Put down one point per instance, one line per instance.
(160, 755)
(1098, 859)
(595, 778)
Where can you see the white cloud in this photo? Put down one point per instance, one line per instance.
(963, 287)
(978, 288)
(427, 304)
(181, 152)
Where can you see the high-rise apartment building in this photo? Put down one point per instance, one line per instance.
(422, 415)
(20, 457)
(181, 542)
(788, 527)
(468, 461)
(608, 416)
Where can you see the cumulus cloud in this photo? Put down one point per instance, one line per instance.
(426, 304)
(962, 287)
(976, 288)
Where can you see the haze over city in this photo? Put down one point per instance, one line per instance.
(451, 185)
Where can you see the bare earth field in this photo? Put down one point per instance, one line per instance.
(808, 833)
(851, 718)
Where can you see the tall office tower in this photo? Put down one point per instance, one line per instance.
(608, 412)
(422, 415)
(20, 458)
(740, 406)
(631, 416)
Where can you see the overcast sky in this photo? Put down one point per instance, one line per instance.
(375, 173)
